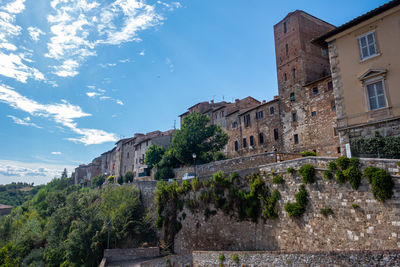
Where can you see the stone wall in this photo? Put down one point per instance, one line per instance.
(277, 259)
(147, 190)
(372, 225)
(130, 254)
(169, 261)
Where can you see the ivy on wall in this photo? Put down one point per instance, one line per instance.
(377, 146)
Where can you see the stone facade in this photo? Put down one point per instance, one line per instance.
(84, 173)
(307, 113)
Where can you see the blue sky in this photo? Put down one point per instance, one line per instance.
(77, 75)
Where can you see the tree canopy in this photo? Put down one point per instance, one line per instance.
(153, 155)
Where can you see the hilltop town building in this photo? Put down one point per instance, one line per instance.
(365, 65)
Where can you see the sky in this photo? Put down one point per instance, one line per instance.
(78, 75)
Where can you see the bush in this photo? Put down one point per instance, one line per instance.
(340, 178)
(128, 178)
(299, 207)
(120, 180)
(221, 258)
(98, 180)
(381, 183)
(291, 170)
(353, 175)
(328, 175)
(219, 156)
(355, 206)
(332, 166)
(235, 258)
(326, 212)
(342, 163)
(111, 179)
(164, 173)
(308, 154)
(307, 172)
(278, 179)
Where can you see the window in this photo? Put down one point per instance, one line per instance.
(251, 140)
(339, 150)
(247, 120)
(271, 111)
(294, 74)
(292, 98)
(330, 86)
(376, 95)
(285, 77)
(222, 113)
(284, 27)
(234, 125)
(315, 91)
(367, 45)
(261, 138)
(276, 134)
(236, 145)
(259, 114)
(325, 52)
(287, 49)
(296, 138)
(127, 155)
(216, 115)
(313, 113)
(294, 116)
(333, 105)
(335, 132)
(244, 142)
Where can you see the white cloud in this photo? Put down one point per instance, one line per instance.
(171, 6)
(141, 53)
(15, 7)
(78, 26)
(107, 65)
(63, 113)
(37, 172)
(99, 93)
(92, 94)
(67, 69)
(56, 153)
(169, 64)
(126, 60)
(12, 66)
(25, 121)
(35, 33)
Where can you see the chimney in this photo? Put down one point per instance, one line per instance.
(264, 101)
(236, 100)
(212, 101)
(276, 97)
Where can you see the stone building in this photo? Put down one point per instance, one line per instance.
(365, 66)
(307, 110)
(142, 143)
(84, 173)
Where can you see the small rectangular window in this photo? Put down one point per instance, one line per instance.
(247, 120)
(376, 95)
(261, 138)
(259, 114)
(313, 112)
(330, 86)
(287, 49)
(271, 111)
(284, 27)
(335, 132)
(244, 142)
(251, 140)
(315, 91)
(236, 145)
(339, 150)
(296, 138)
(292, 98)
(285, 77)
(294, 74)
(333, 105)
(276, 134)
(367, 45)
(234, 125)
(294, 116)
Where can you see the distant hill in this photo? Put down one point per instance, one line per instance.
(15, 194)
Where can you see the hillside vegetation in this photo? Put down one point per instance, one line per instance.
(15, 194)
(67, 226)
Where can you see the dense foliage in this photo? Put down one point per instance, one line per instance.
(307, 172)
(296, 209)
(245, 199)
(377, 146)
(381, 183)
(15, 194)
(67, 226)
(153, 155)
(308, 154)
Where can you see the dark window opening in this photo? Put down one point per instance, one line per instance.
(284, 27)
(259, 114)
(127, 155)
(294, 116)
(244, 142)
(314, 113)
(315, 91)
(296, 138)
(333, 105)
(339, 150)
(325, 52)
(292, 98)
(294, 74)
(251, 140)
(287, 49)
(335, 131)
(236, 145)
(271, 111)
(247, 120)
(261, 138)
(285, 77)
(234, 125)
(276, 134)
(330, 86)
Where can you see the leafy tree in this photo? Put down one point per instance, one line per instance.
(153, 155)
(120, 179)
(98, 180)
(128, 177)
(64, 174)
(196, 136)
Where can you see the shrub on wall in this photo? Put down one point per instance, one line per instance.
(128, 178)
(164, 173)
(377, 146)
(291, 170)
(308, 154)
(381, 183)
(332, 166)
(307, 173)
(278, 179)
(297, 208)
(353, 175)
(328, 175)
(342, 163)
(326, 212)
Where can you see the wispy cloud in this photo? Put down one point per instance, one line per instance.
(171, 6)
(169, 64)
(63, 113)
(99, 93)
(126, 60)
(24, 121)
(142, 53)
(56, 153)
(35, 33)
(38, 172)
(107, 65)
(79, 26)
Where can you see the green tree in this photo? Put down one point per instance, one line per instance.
(98, 180)
(64, 174)
(197, 137)
(128, 177)
(153, 155)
